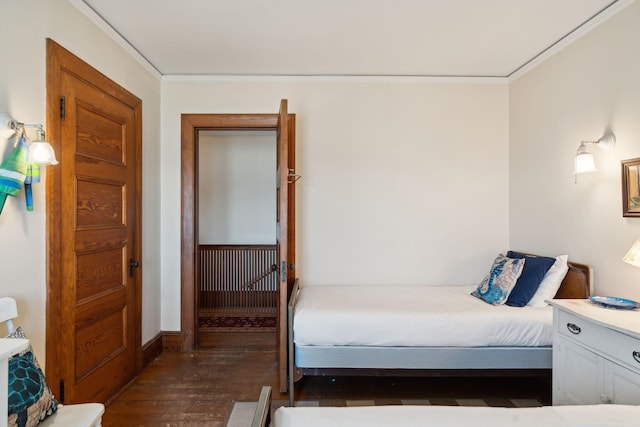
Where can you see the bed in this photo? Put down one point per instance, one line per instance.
(443, 416)
(419, 330)
(412, 416)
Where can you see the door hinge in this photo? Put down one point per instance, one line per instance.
(62, 108)
(283, 272)
(61, 397)
(292, 176)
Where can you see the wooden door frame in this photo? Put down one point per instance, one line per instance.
(60, 60)
(191, 124)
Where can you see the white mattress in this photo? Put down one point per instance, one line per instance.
(444, 416)
(414, 316)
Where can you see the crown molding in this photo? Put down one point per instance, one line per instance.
(111, 32)
(226, 78)
(591, 23)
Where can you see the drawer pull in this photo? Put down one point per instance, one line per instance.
(575, 329)
(636, 355)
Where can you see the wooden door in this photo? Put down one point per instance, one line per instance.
(93, 316)
(282, 200)
(292, 178)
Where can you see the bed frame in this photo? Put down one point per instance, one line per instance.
(262, 414)
(428, 361)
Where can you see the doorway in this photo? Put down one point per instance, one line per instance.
(236, 250)
(284, 126)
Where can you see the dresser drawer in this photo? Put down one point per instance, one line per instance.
(614, 344)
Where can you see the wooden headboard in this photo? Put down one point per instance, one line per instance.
(577, 282)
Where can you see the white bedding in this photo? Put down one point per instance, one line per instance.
(443, 416)
(414, 316)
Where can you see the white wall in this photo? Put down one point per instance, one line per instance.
(24, 26)
(237, 187)
(403, 181)
(590, 86)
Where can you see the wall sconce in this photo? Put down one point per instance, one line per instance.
(22, 164)
(584, 160)
(40, 151)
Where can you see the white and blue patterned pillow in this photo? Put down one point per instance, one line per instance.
(497, 285)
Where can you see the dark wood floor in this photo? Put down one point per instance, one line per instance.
(199, 388)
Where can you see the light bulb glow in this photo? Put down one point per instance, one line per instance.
(42, 152)
(585, 163)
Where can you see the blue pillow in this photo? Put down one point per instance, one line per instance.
(496, 286)
(535, 267)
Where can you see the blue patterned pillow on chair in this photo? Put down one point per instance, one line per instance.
(30, 398)
(497, 285)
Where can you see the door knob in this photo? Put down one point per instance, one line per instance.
(132, 264)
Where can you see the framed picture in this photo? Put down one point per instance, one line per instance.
(631, 188)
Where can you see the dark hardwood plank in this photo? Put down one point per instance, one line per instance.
(198, 388)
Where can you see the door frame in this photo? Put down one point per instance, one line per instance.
(61, 60)
(191, 124)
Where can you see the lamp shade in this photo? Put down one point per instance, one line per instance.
(584, 163)
(633, 255)
(42, 152)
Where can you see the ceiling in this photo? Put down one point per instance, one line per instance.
(479, 38)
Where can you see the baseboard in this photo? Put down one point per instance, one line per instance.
(151, 350)
(172, 341)
(163, 341)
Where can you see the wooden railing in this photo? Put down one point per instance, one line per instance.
(237, 277)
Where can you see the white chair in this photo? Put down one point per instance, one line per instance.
(80, 415)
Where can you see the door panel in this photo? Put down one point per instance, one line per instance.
(99, 204)
(109, 146)
(101, 336)
(93, 354)
(94, 202)
(282, 234)
(291, 214)
(99, 272)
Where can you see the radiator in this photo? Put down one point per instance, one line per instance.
(237, 278)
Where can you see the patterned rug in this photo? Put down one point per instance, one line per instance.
(264, 323)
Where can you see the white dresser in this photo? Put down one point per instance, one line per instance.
(596, 354)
